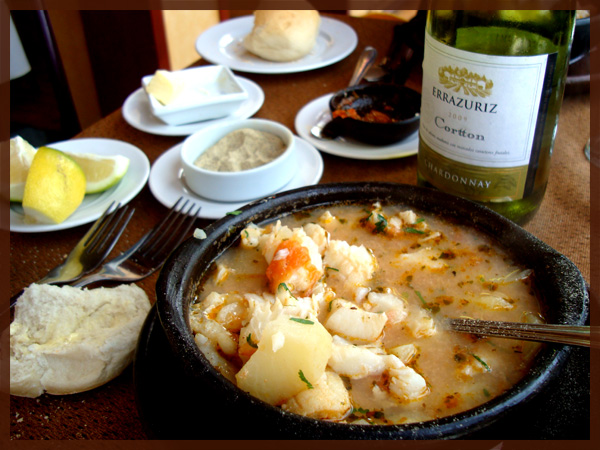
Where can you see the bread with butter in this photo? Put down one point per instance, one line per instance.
(65, 340)
(283, 35)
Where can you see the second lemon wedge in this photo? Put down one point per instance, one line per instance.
(21, 156)
(101, 172)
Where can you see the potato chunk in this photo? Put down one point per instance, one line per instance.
(290, 355)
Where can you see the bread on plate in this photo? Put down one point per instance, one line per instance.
(283, 35)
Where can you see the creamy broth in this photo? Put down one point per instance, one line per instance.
(408, 271)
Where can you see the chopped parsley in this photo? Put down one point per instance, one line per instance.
(303, 321)
(413, 230)
(234, 213)
(250, 341)
(482, 362)
(303, 378)
(421, 298)
(284, 286)
(381, 224)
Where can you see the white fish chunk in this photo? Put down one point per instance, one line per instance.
(329, 399)
(355, 361)
(353, 265)
(351, 321)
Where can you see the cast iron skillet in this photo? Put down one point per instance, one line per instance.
(398, 102)
(559, 282)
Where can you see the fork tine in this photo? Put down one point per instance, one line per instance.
(149, 238)
(174, 232)
(100, 230)
(106, 238)
(92, 232)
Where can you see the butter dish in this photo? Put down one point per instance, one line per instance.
(207, 92)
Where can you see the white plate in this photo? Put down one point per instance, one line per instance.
(222, 44)
(167, 184)
(93, 205)
(137, 112)
(347, 148)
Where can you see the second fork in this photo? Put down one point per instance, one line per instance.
(151, 251)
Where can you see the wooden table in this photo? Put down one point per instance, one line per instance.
(109, 412)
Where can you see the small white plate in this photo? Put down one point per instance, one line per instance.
(93, 205)
(222, 44)
(348, 148)
(167, 184)
(137, 112)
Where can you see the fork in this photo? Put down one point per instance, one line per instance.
(91, 250)
(150, 252)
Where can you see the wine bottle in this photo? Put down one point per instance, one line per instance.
(493, 83)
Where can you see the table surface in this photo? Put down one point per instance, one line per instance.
(110, 412)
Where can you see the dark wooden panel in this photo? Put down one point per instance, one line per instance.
(122, 50)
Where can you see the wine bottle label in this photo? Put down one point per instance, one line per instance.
(482, 117)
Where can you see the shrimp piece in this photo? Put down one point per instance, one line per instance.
(222, 273)
(329, 399)
(326, 218)
(495, 301)
(217, 334)
(405, 383)
(352, 322)
(469, 364)
(229, 310)
(420, 324)
(250, 236)
(406, 353)
(426, 257)
(394, 307)
(213, 356)
(293, 266)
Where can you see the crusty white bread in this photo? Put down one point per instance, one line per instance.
(283, 35)
(65, 340)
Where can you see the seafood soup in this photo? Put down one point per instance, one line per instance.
(337, 314)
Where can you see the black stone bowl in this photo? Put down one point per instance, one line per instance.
(560, 284)
(400, 103)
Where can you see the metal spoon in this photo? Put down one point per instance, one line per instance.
(364, 63)
(562, 334)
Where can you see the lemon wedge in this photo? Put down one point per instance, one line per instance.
(101, 172)
(54, 188)
(21, 156)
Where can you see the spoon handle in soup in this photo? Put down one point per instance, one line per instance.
(539, 332)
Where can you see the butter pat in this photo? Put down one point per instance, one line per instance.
(164, 86)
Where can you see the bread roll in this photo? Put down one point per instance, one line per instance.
(65, 340)
(283, 35)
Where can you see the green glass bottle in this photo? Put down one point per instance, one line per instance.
(493, 83)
